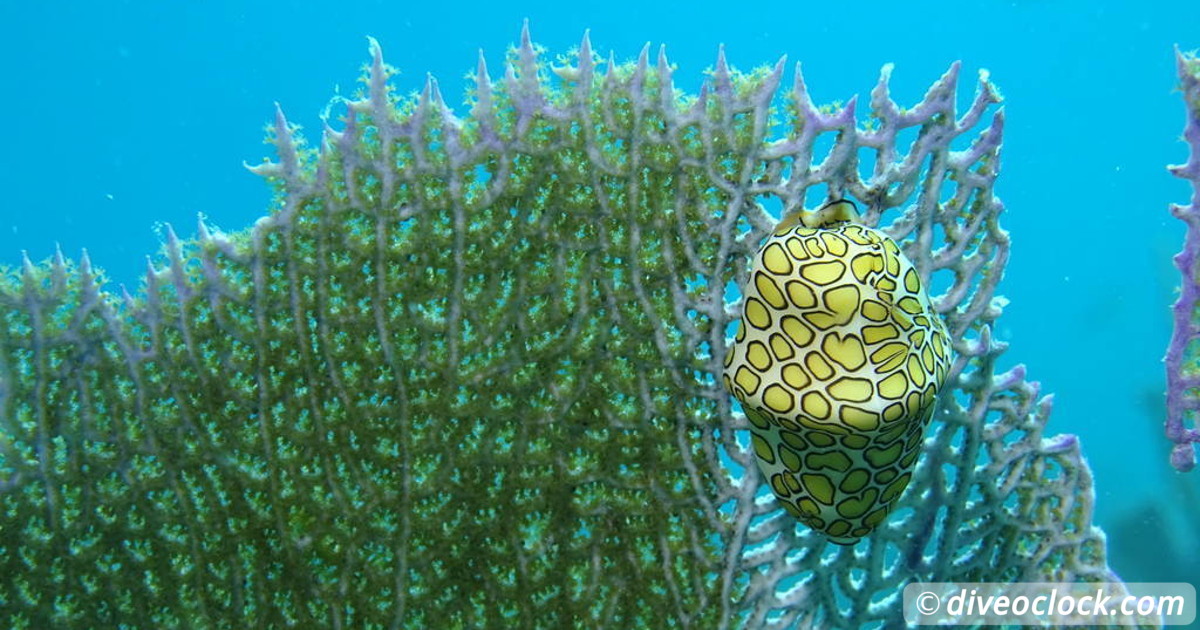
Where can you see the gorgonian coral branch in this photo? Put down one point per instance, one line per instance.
(1183, 375)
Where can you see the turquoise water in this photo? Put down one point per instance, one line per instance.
(122, 116)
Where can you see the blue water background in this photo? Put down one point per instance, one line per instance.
(120, 116)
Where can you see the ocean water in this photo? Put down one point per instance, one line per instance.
(125, 116)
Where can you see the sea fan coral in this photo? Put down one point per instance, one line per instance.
(467, 374)
(1183, 376)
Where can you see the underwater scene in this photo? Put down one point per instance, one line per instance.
(597, 315)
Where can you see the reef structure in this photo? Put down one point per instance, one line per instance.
(1183, 354)
(467, 373)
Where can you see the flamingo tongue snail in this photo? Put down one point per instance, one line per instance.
(837, 362)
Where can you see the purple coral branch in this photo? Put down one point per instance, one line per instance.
(1183, 377)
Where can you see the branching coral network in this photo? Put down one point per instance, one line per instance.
(467, 374)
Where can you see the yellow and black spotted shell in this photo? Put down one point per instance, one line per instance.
(837, 362)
